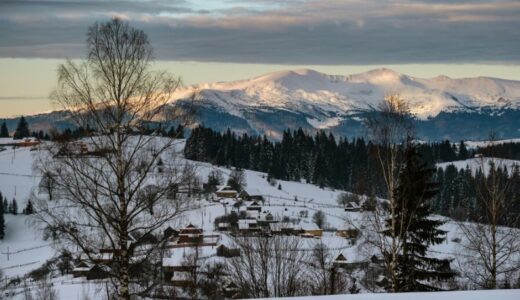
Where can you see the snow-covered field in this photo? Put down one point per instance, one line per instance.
(296, 200)
(476, 144)
(481, 163)
(459, 295)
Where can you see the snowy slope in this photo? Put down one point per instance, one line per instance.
(459, 295)
(310, 91)
(483, 163)
(28, 250)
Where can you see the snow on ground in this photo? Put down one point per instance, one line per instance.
(481, 163)
(27, 250)
(476, 144)
(296, 200)
(458, 295)
(16, 174)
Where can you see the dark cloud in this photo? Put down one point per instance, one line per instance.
(268, 31)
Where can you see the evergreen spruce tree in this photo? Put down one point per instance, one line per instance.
(179, 132)
(414, 193)
(4, 132)
(14, 207)
(22, 130)
(463, 151)
(29, 209)
(6, 205)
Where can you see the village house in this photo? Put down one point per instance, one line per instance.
(352, 206)
(232, 291)
(310, 230)
(225, 191)
(170, 233)
(251, 194)
(265, 218)
(350, 262)
(192, 236)
(339, 260)
(283, 228)
(180, 263)
(81, 269)
(224, 226)
(253, 205)
(26, 142)
(347, 231)
(90, 271)
(226, 251)
(248, 226)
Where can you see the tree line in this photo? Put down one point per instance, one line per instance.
(351, 165)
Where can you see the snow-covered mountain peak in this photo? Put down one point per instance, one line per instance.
(311, 92)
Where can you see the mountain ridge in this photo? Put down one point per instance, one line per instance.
(295, 89)
(444, 107)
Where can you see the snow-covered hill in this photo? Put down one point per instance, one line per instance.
(482, 163)
(285, 199)
(311, 100)
(308, 91)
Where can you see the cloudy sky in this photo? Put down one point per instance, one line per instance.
(253, 36)
(277, 31)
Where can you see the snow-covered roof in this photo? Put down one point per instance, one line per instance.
(353, 205)
(254, 214)
(309, 226)
(245, 223)
(252, 191)
(225, 188)
(281, 225)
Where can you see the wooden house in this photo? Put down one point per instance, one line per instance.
(248, 226)
(265, 218)
(231, 290)
(283, 228)
(224, 226)
(347, 232)
(249, 194)
(352, 206)
(254, 205)
(224, 251)
(190, 235)
(81, 269)
(170, 232)
(339, 260)
(98, 272)
(311, 229)
(226, 191)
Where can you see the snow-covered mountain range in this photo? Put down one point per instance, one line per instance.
(444, 107)
(306, 98)
(309, 91)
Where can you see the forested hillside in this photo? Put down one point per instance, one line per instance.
(353, 165)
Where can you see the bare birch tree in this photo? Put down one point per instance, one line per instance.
(490, 248)
(269, 267)
(107, 192)
(325, 278)
(390, 127)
